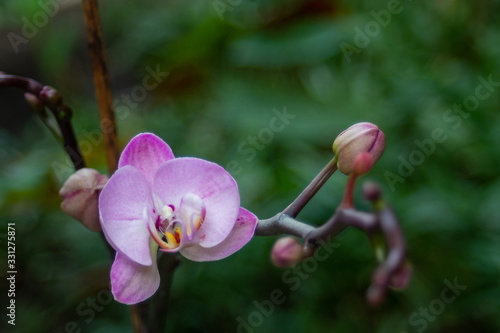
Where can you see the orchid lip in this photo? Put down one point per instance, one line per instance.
(173, 230)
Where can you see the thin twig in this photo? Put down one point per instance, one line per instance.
(39, 97)
(101, 82)
(28, 85)
(301, 201)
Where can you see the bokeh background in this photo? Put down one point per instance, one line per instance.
(231, 65)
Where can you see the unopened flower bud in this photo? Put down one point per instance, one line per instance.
(359, 138)
(51, 96)
(33, 101)
(286, 252)
(362, 164)
(80, 195)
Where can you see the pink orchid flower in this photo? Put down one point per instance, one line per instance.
(156, 201)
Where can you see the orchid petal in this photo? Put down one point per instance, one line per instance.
(211, 183)
(125, 204)
(132, 282)
(146, 152)
(241, 234)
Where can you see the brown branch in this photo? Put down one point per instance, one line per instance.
(101, 82)
(148, 316)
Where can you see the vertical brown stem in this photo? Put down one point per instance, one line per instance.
(104, 101)
(101, 82)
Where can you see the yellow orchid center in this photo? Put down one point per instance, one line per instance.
(170, 224)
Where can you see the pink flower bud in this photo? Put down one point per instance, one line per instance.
(80, 195)
(51, 96)
(362, 164)
(286, 252)
(359, 138)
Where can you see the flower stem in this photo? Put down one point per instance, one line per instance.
(159, 304)
(382, 222)
(101, 82)
(282, 224)
(150, 316)
(348, 201)
(301, 201)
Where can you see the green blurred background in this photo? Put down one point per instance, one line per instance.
(230, 64)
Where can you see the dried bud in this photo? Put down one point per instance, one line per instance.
(80, 195)
(359, 138)
(286, 252)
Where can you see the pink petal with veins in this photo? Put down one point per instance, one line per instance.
(125, 205)
(132, 282)
(241, 233)
(146, 152)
